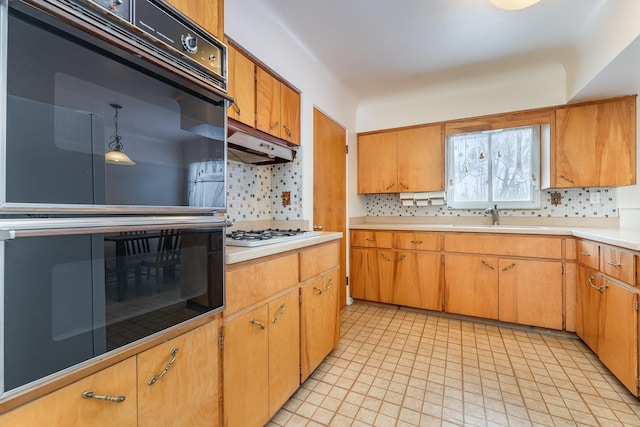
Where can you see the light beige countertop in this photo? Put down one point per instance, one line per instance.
(626, 238)
(235, 254)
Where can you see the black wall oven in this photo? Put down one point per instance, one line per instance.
(96, 253)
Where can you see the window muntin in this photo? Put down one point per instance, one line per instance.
(494, 167)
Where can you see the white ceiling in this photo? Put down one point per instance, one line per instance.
(380, 46)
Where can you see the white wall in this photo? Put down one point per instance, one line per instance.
(254, 27)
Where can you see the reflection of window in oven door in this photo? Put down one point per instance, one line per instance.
(206, 183)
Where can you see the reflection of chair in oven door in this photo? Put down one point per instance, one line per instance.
(136, 246)
(167, 256)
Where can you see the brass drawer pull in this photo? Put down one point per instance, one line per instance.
(404, 186)
(235, 106)
(370, 239)
(174, 354)
(488, 265)
(585, 253)
(318, 290)
(275, 125)
(567, 178)
(255, 322)
(89, 394)
(385, 257)
(597, 288)
(286, 128)
(390, 186)
(613, 264)
(401, 257)
(509, 267)
(330, 281)
(279, 316)
(417, 242)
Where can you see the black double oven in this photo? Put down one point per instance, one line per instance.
(112, 179)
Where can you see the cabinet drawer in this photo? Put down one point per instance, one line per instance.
(255, 282)
(315, 260)
(618, 264)
(588, 254)
(371, 239)
(418, 241)
(512, 245)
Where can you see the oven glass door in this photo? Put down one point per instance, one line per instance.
(69, 298)
(63, 93)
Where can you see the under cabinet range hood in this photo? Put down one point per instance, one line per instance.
(246, 145)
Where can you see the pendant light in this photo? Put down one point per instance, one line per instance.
(513, 4)
(116, 156)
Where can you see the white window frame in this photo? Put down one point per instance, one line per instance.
(532, 203)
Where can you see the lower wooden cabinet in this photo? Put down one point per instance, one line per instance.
(417, 280)
(261, 361)
(530, 292)
(185, 392)
(372, 274)
(319, 320)
(588, 306)
(471, 285)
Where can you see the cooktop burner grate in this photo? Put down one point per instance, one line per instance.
(266, 236)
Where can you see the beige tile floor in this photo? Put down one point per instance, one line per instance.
(402, 367)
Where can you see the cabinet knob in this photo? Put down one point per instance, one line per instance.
(318, 227)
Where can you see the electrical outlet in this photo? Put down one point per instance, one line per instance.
(594, 198)
(286, 198)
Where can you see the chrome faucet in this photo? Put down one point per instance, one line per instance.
(495, 215)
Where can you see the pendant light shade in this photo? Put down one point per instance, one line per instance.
(513, 4)
(116, 156)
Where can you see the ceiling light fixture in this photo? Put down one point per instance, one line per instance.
(513, 4)
(116, 156)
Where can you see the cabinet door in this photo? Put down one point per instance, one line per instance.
(378, 163)
(331, 320)
(312, 327)
(372, 275)
(66, 407)
(242, 86)
(595, 144)
(290, 115)
(178, 380)
(588, 253)
(206, 13)
(246, 370)
(618, 264)
(471, 285)
(587, 306)
(530, 292)
(417, 280)
(421, 159)
(618, 333)
(267, 103)
(284, 349)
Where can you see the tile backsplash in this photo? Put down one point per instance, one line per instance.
(576, 203)
(255, 192)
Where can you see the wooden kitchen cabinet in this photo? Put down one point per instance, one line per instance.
(261, 361)
(186, 395)
(277, 107)
(408, 273)
(185, 390)
(530, 292)
(595, 144)
(513, 278)
(372, 272)
(318, 320)
(66, 407)
(471, 285)
(209, 14)
(607, 309)
(320, 305)
(242, 86)
(406, 160)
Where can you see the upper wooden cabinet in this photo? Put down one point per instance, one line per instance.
(399, 161)
(277, 107)
(594, 145)
(242, 86)
(209, 14)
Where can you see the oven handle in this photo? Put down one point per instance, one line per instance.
(10, 234)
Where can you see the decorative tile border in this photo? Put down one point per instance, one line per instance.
(575, 204)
